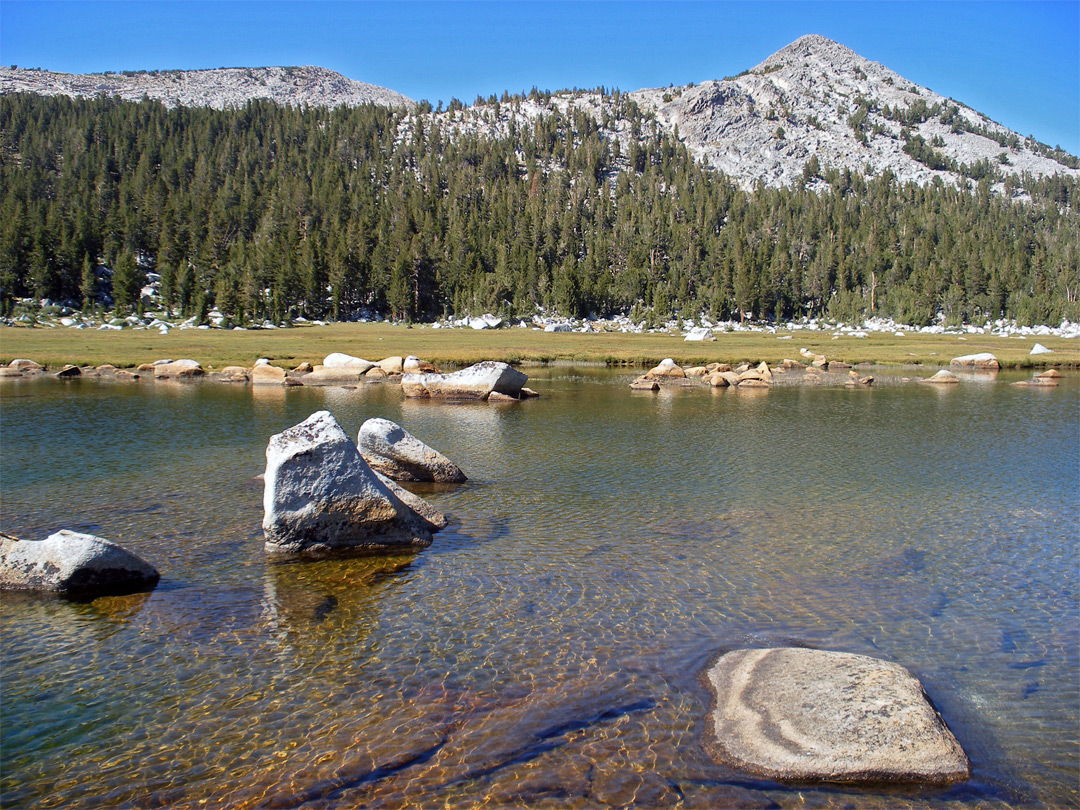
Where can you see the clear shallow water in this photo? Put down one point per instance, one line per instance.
(545, 650)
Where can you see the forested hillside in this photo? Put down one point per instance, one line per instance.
(270, 212)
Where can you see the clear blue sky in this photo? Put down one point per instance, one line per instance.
(1018, 62)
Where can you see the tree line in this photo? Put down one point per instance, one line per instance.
(269, 213)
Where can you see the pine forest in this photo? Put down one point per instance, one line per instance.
(269, 213)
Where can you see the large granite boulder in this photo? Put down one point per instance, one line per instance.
(391, 450)
(266, 374)
(74, 564)
(798, 714)
(435, 519)
(983, 361)
(475, 382)
(342, 360)
(321, 496)
(178, 369)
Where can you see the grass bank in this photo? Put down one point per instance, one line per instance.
(456, 347)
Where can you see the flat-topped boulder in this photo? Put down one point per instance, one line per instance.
(391, 450)
(73, 563)
(69, 372)
(983, 361)
(475, 382)
(321, 496)
(799, 714)
(177, 369)
(332, 375)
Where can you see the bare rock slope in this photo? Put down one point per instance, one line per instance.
(221, 88)
(818, 97)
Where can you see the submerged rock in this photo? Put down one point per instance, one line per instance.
(320, 496)
(475, 382)
(392, 451)
(799, 714)
(72, 563)
(644, 385)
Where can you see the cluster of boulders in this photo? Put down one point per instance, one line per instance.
(489, 380)
(323, 493)
(1042, 379)
(745, 375)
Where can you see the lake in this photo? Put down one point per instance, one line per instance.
(546, 649)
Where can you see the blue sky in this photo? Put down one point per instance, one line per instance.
(1018, 62)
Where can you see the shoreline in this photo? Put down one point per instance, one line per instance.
(288, 347)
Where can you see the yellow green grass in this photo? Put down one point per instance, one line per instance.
(457, 347)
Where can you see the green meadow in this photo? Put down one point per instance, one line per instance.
(288, 347)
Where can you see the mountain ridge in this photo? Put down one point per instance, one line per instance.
(812, 106)
(217, 88)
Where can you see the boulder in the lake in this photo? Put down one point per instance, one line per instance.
(332, 375)
(983, 361)
(1049, 374)
(667, 371)
(321, 496)
(943, 377)
(392, 365)
(23, 364)
(266, 374)
(475, 382)
(72, 563)
(800, 714)
(7, 371)
(178, 370)
(69, 372)
(391, 450)
(233, 374)
(414, 365)
(342, 360)
(641, 384)
(433, 517)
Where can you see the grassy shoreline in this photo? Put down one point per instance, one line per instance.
(459, 347)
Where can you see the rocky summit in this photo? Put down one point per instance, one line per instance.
(219, 89)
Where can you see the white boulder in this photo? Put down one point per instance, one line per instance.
(1038, 348)
(983, 360)
(341, 360)
(72, 563)
(321, 496)
(392, 451)
(699, 333)
(475, 382)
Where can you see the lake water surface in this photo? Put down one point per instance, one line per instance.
(545, 651)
